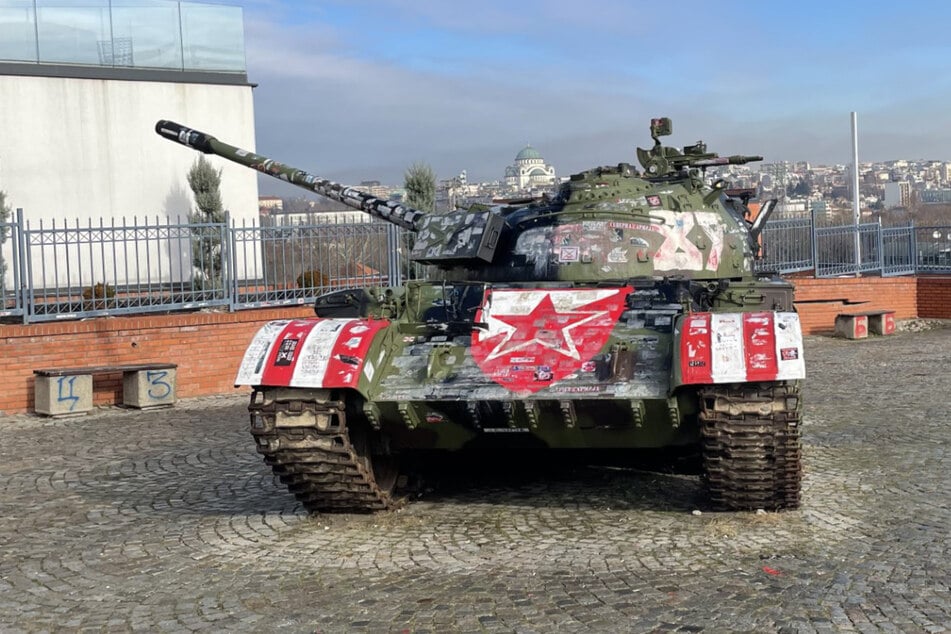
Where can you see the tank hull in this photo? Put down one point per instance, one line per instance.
(549, 367)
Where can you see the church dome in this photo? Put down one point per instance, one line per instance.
(527, 153)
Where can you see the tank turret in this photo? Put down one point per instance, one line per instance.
(447, 238)
(608, 224)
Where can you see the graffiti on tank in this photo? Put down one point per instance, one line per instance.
(673, 239)
(534, 338)
(679, 252)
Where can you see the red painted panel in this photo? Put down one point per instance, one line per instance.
(536, 337)
(281, 362)
(696, 357)
(349, 354)
(759, 339)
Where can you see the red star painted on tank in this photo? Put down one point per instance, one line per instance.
(535, 337)
(544, 326)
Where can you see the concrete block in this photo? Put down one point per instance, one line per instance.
(851, 326)
(882, 323)
(149, 388)
(66, 395)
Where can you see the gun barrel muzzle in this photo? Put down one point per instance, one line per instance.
(186, 136)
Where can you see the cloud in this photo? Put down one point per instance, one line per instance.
(358, 90)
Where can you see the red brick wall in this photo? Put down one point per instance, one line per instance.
(206, 346)
(820, 300)
(934, 297)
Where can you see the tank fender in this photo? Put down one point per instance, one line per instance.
(311, 353)
(760, 346)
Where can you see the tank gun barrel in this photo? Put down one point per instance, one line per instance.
(393, 212)
(736, 159)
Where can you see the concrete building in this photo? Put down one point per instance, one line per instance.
(935, 196)
(81, 88)
(897, 194)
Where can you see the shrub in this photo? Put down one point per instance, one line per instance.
(312, 279)
(99, 291)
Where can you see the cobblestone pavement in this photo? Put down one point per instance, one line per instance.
(168, 521)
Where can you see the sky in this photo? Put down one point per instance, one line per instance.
(360, 90)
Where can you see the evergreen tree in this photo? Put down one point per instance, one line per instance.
(205, 181)
(419, 181)
(4, 232)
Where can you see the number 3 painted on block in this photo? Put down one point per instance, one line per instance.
(160, 388)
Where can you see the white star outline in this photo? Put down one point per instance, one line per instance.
(514, 299)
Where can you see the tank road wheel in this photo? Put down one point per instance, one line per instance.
(751, 445)
(326, 461)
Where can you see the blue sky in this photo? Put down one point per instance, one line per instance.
(358, 89)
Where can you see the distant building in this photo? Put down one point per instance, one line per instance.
(897, 194)
(374, 188)
(270, 204)
(530, 171)
(935, 196)
(340, 217)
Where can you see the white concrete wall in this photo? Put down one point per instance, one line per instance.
(86, 148)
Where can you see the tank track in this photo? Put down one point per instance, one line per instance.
(752, 453)
(309, 446)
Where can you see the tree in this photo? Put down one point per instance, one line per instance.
(205, 182)
(419, 182)
(801, 189)
(4, 217)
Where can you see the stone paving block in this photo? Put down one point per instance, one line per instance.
(167, 520)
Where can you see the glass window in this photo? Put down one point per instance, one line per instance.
(145, 33)
(72, 32)
(17, 31)
(212, 37)
(139, 33)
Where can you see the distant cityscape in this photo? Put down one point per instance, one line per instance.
(891, 191)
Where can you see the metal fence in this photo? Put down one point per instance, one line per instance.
(787, 246)
(793, 245)
(74, 271)
(933, 249)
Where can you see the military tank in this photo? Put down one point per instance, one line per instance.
(622, 312)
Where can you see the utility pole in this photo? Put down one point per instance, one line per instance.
(855, 194)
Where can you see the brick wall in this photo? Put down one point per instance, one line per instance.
(206, 346)
(820, 300)
(934, 297)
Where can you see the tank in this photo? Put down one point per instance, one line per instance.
(621, 313)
